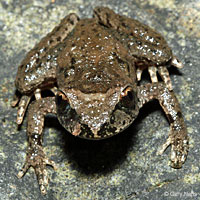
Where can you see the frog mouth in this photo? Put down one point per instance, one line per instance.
(79, 130)
(92, 133)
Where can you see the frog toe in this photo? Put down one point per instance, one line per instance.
(23, 104)
(37, 94)
(42, 177)
(24, 169)
(41, 172)
(16, 98)
(153, 74)
(54, 90)
(176, 63)
(163, 72)
(139, 73)
(177, 157)
(163, 147)
(179, 151)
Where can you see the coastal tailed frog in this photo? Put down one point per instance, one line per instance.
(93, 66)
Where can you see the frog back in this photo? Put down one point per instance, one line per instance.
(93, 61)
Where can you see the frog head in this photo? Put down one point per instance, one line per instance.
(97, 115)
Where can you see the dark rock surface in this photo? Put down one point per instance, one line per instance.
(122, 167)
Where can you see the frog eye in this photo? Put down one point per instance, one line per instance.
(127, 97)
(61, 97)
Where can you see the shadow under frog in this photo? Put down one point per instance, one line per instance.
(88, 156)
(93, 67)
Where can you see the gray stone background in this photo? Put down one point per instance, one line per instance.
(122, 167)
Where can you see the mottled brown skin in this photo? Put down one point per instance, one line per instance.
(93, 67)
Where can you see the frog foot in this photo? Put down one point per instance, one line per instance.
(179, 150)
(38, 160)
(162, 71)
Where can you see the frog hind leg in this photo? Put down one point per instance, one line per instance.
(39, 65)
(35, 156)
(37, 70)
(143, 43)
(177, 138)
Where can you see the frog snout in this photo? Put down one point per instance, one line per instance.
(94, 121)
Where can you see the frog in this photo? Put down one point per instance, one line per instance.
(93, 68)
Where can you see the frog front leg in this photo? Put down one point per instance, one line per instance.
(148, 47)
(178, 138)
(37, 71)
(35, 156)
